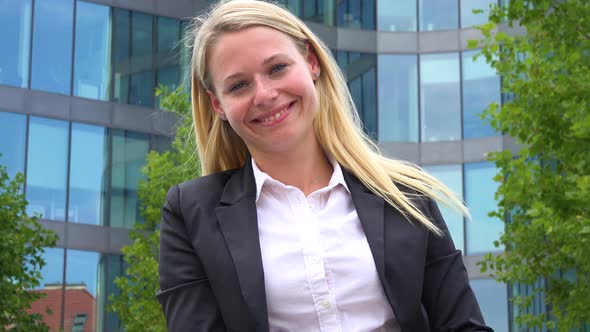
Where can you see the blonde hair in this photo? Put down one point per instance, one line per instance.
(336, 124)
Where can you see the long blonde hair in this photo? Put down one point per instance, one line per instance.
(336, 124)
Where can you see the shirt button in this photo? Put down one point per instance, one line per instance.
(315, 260)
(324, 304)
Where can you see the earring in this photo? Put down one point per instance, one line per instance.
(223, 117)
(316, 75)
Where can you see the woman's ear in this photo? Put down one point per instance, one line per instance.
(313, 62)
(216, 105)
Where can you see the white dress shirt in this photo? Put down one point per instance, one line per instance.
(319, 272)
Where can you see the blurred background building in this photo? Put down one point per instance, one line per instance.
(78, 116)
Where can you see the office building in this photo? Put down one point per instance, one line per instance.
(78, 116)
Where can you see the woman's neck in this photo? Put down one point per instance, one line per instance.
(306, 169)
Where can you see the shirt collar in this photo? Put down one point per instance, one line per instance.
(261, 177)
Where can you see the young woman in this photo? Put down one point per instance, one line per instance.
(298, 223)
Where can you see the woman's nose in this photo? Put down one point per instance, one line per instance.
(265, 92)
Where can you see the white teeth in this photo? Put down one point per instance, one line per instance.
(275, 116)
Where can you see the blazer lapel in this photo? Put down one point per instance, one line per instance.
(238, 221)
(392, 260)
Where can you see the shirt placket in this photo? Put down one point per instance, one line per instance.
(322, 294)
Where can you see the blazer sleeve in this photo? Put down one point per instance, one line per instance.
(185, 293)
(447, 296)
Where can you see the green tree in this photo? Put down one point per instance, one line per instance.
(22, 240)
(135, 303)
(544, 193)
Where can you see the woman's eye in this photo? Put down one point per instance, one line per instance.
(237, 86)
(278, 68)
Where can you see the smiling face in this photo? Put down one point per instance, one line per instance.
(262, 82)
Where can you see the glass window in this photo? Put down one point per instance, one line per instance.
(168, 53)
(13, 128)
(398, 98)
(93, 51)
(396, 15)
(47, 168)
(440, 99)
(468, 18)
(294, 7)
(369, 117)
(480, 189)
(116, 268)
(481, 86)
(141, 85)
(451, 176)
(51, 284)
(356, 15)
(15, 38)
(52, 46)
(88, 174)
(439, 15)
(83, 283)
(128, 157)
(121, 54)
(320, 11)
(492, 297)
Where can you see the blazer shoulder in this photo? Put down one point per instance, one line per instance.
(206, 190)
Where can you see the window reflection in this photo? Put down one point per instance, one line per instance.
(47, 168)
(396, 15)
(398, 98)
(481, 86)
(128, 157)
(141, 85)
(83, 283)
(492, 297)
(440, 108)
(52, 46)
(88, 174)
(93, 48)
(168, 59)
(356, 14)
(480, 189)
(438, 15)
(320, 11)
(359, 69)
(13, 128)
(15, 24)
(451, 176)
(468, 18)
(51, 284)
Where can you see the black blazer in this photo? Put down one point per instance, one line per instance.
(211, 276)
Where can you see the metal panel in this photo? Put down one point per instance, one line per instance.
(404, 151)
(438, 41)
(440, 153)
(397, 42)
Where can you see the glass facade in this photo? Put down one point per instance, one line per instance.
(481, 86)
(88, 174)
(356, 14)
(47, 168)
(397, 15)
(493, 302)
(128, 156)
(398, 98)
(470, 19)
(52, 46)
(80, 172)
(438, 14)
(440, 97)
(480, 189)
(13, 129)
(452, 177)
(360, 70)
(15, 35)
(93, 51)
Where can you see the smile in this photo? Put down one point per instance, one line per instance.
(276, 117)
